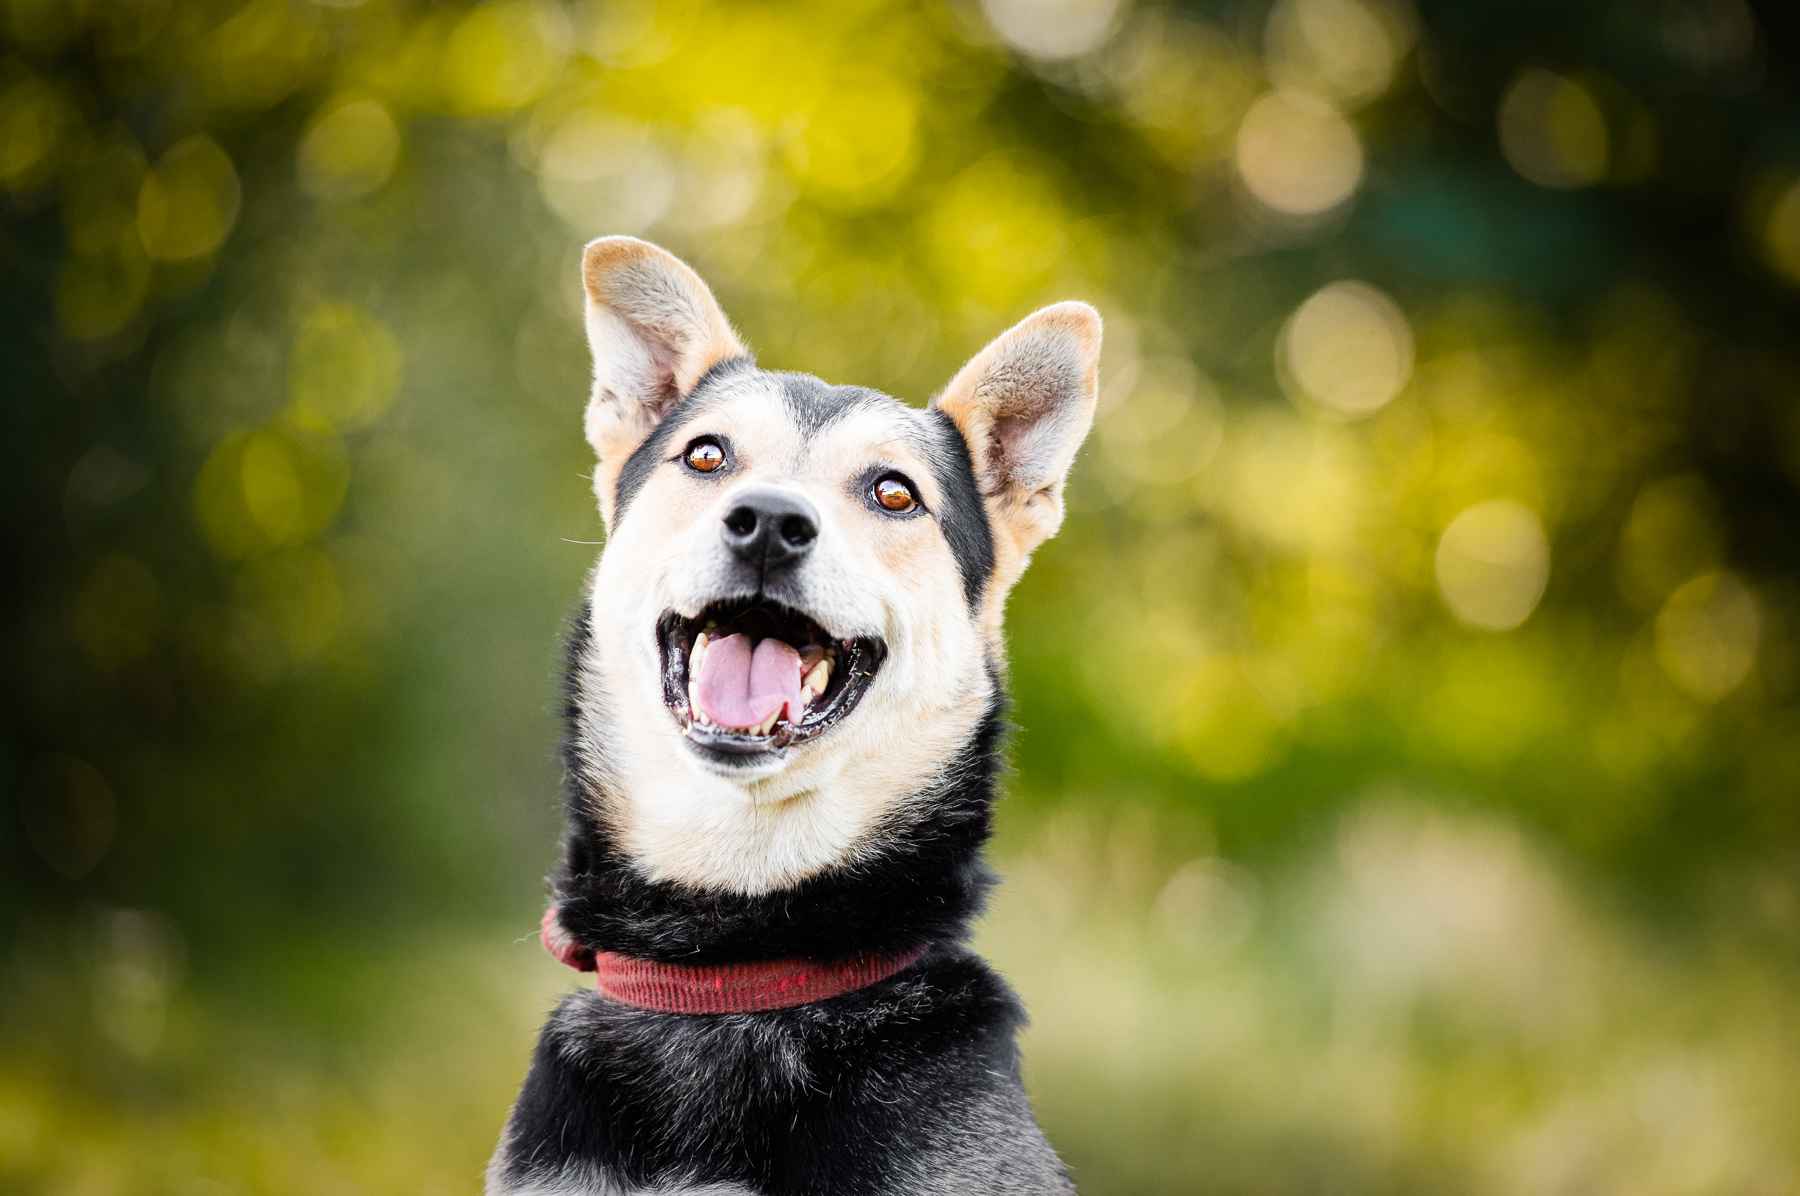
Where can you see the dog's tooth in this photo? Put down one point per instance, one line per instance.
(768, 724)
(699, 650)
(818, 678)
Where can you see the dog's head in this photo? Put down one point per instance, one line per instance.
(795, 624)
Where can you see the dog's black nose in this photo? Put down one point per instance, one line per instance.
(770, 529)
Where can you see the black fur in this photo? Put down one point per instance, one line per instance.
(814, 404)
(911, 1085)
(831, 1099)
(961, 512)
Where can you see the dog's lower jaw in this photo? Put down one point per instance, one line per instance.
(748, 770)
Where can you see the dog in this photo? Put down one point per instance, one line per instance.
(784, 710)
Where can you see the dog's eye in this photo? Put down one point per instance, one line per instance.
(894, 493)
(705, 455)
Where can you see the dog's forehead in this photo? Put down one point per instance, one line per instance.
(808, 424)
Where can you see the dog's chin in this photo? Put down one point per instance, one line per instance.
(814, 679)
(745, 768)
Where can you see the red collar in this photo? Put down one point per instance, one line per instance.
(719, 988)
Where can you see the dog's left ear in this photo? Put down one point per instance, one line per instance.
(1024, 404)
(655, 330)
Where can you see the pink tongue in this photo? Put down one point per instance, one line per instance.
(741, 688)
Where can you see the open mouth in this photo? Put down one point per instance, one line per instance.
(748, 677)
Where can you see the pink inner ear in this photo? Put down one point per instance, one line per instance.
(665, 400)
(1006, 440)
(1032, 445)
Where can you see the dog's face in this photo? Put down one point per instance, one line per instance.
(796, 621)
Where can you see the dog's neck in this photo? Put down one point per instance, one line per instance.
(922, 883)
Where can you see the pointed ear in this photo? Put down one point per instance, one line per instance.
(655, 330)
(1024, 404)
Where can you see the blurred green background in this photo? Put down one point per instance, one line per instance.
(1407, 784)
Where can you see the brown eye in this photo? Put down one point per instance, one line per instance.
(895, 495)
(705, 455)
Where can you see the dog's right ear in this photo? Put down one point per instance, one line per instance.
(655, 330)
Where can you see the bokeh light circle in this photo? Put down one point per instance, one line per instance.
(1707, 634)
(189, 202)
(502, 56)
(345, 367)
(599, 172)
(70, 815)
(1348, 349)
(35, 119)
(1493, 562)
(1340, 48)
(1780, 233)
(1675, 531)
(1552, 131)
(1297, 155)
(1053, 29)
(349, 149)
